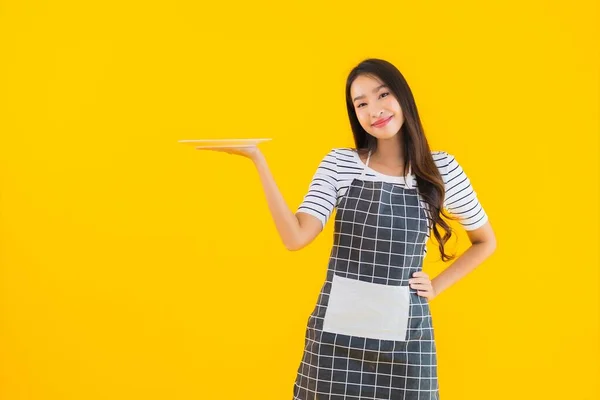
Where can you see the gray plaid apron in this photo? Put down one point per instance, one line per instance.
(370, 335)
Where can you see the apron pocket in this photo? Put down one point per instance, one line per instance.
(368, 310)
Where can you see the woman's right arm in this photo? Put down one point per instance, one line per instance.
(296, 230)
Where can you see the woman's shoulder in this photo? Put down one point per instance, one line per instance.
(341, 154)
(344, 151)
(441, 158)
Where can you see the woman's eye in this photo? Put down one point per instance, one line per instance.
(384, 94)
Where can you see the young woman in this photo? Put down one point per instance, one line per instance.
(370, 335)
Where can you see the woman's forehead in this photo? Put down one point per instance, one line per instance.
(365, 85)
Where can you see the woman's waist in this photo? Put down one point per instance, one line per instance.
(373, 273)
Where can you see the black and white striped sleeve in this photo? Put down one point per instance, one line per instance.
(321, 197)
(461, 199)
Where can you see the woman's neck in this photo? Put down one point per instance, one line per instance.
(389, 152)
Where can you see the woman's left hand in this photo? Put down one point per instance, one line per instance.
(420, 282)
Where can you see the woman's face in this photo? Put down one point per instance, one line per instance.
(377, 109)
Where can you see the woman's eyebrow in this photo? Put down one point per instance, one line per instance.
(374, 91)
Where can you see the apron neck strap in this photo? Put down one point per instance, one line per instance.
(363, 172)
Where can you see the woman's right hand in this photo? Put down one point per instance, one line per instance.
(251, 152)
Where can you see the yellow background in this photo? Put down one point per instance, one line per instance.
(133, 267)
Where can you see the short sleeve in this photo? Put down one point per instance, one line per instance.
(461, 199)
(321, 197)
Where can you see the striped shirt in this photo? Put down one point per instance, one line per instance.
(340, 166)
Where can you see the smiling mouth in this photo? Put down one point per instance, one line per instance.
(380, 124)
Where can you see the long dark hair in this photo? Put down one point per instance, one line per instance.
(416, 149)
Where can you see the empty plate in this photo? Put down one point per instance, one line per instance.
(212, 143)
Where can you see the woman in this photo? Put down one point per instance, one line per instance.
(370, 335)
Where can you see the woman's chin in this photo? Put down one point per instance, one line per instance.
(384, 134)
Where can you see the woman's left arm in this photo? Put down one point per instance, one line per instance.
(460, 199)
(483, 244)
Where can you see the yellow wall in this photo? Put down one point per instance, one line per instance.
(133, 267)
